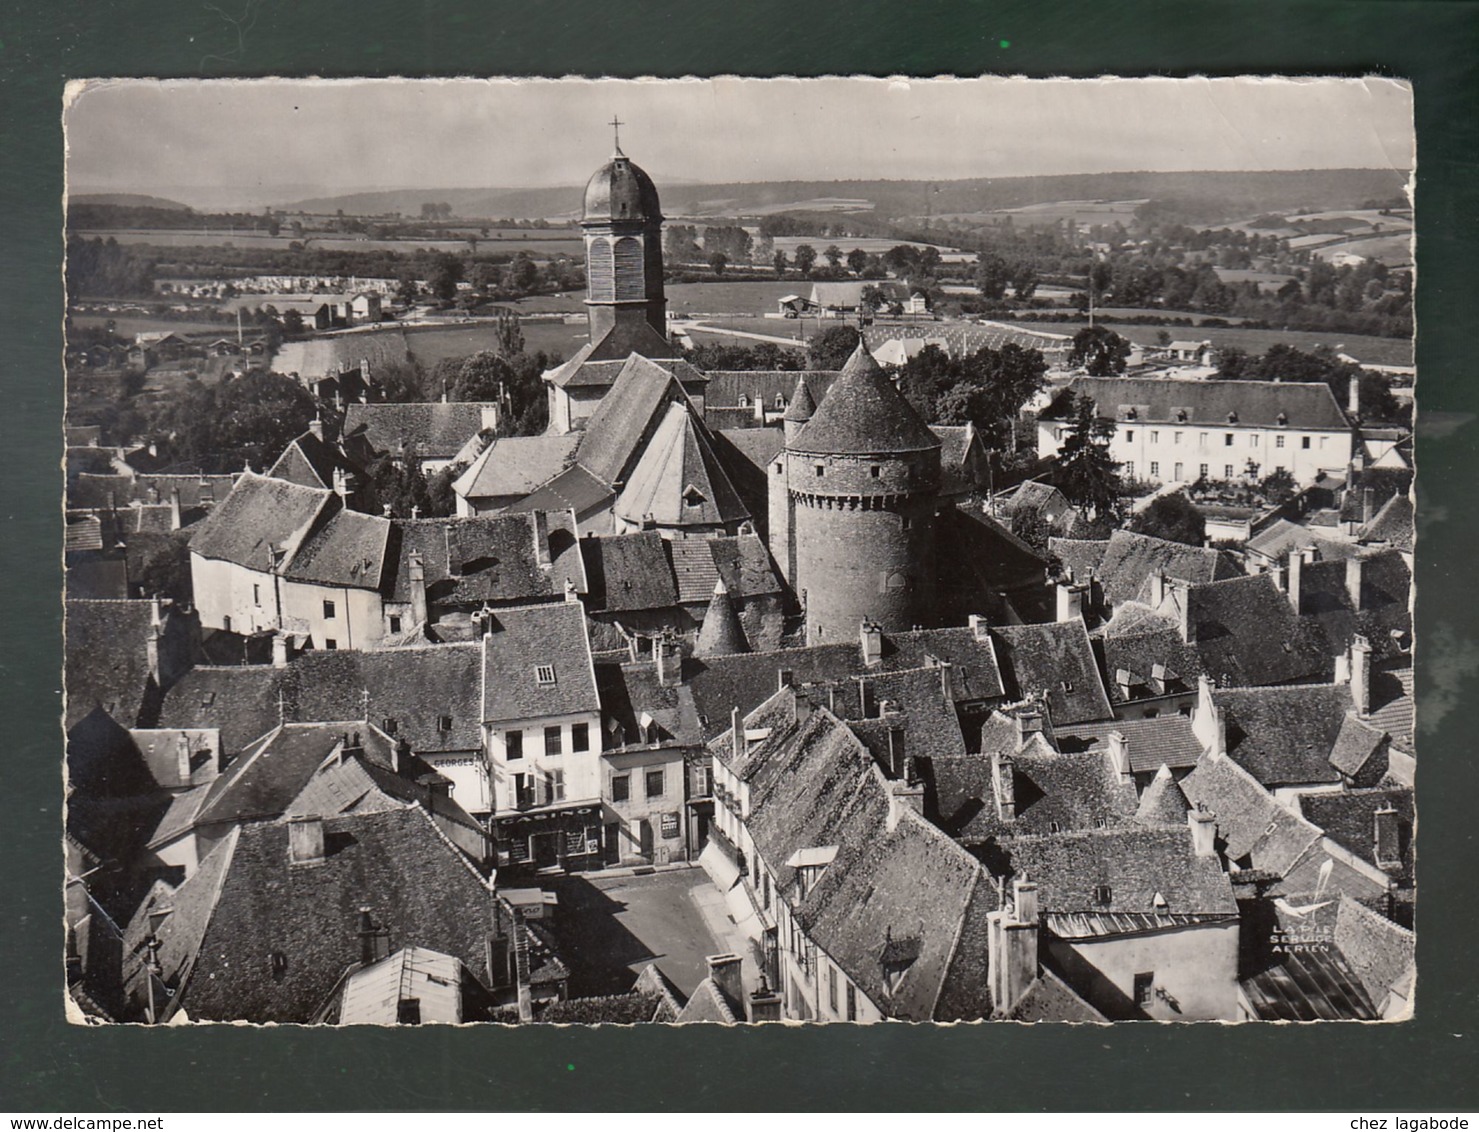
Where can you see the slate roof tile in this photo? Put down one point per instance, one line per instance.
(522, 640)
(1306, 405)
(261, 514)
(1251, 825)
(434, 430)
(678, 479)
(864, 413)
(1284, 736)
(1349, 818)
(1165, 740)
(106, 659)
(1057, 658)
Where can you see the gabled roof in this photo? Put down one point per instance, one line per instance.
(96, 491)
(349, 549)
(435, 430)
(1058, 658)
(373, 995)
(1386, 596)
(727, 386)
(1393, 707)
(310, 461)
(599, 363)
(1166, 740)
(632, 690)
(1349, 818)
(628, 572)
(1281, 536)
(627, 418)
(106, 659)
(161, 750)
(1082, 556)
(1250, 822)
(678, 480)
(1284, 736)
(259, 516)
(253, 937)
(1393, 525)
(1131, 558)
(1254, 404)
(574, 489)
(516, 465)
(522, 641)
(1054, 793)
(486, 558)
(865, 414)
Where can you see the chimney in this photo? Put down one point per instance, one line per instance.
(1361, 675)
(1011, 946)
(417, 570)
(1004, 786)
(1158, 678)
(1354, 406)
(571, 593)
(488, 418)
(871, 636)
(316, 427)
(1070, 601)
(1207, 722)
(1157, 588)
(1029, 723)
(978, 627)
(385, 510)
(541, 539)
(306, 840)
(736, 734)
(1203, 825)
(669, 658)
(897, 760)
(374, 943)
(175, 522)
(279, 650)
(1368, 505)
(1388, 847)
(725, 971)
(765, 1004)
(903, 795)
(182, 754)
(1298, 557)
(1119, 755)
(1355, 574)
(1185, 621)
(800, 706)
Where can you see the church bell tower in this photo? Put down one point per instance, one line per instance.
(622, 223)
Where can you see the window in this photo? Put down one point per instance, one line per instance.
(544, 674)
(1278, 442)
(621, 787)
(744, 401)
(703, 781)
(1144, 988)
(832, 988)
(330, 643)
(1304, 442)
(389, 725)
(1176, 475)
(1155, 437)
(256, 594)
(328, 611)
(444, 724)
(852, 1003)
(1202, 470)
(905, 522)
(1227, 471)
(1176, 438)
(1129, 434)
(821, 470)
(580, 736)
(553, 744)
(1130, 469)
(654, 783)
(1103, 894)
(395, 623)
(557, 786)
(523, 790)
(1155, 467)
(513, 745)
(1227, 440)
(1252, 440)
(875, 471)
(1202, 440)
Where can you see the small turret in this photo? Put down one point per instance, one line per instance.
(721, 633)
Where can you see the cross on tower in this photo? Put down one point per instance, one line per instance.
(616, 124)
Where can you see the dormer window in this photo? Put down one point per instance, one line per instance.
(1232, 417)
(1181, 415)
(1131, 413)
(444, 723)
(1103, 894)
(544, 674)
(692, 497)
(1283, 418)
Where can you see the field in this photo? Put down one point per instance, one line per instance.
(1268, 281)
(1081, 212)
(758, 297)
(432, 344)
(127, 325)
(538, 244)
(872, 244)
(1377, 351)
(1394, 251)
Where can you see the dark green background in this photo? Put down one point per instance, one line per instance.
(49, 1066)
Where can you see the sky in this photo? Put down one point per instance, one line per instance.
(257, 142)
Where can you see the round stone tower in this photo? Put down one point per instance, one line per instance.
(863, 476)
(622, 221)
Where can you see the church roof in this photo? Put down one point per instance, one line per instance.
(620, 190)
(678, 480)
(864, 413)
(721, 633)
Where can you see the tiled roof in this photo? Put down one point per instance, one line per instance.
(239, 701)
(521, 640)
(1284, 736)
(106, 659)
(1250, 823)
(1131, 558)
(1163, 802)
(1166, 740)
(347, 550)
(626, 418)
(574, 489)
(622, 340)
(629, 572)
(965, 991)
(984, 556)
(1379, 951)
(1393, 707)
(417, 887)
(757, 447)
(1282, 536)
(435, 430)
(1049, 999)
(1384, 483)
(1135, 864)
(1354, 746)
(1054, 793)
(955, 444)
(262, 783)
(919, 713)
(486, 558)
(373, 995)
(1393, 525)
(864, 413)
(721, 633)
(349, 783)
(1058, 658)
(629, 691)
(84, 534)
(91, 490)
(710, 1004)
(259, 515)
(310, 461)
(1139, 649)
(1386, 593)
(1256, 404)
(161, 750)
(743, 563)
(1349, 818)
(727, 386)
(516, 465)
(678, 480)
(1082, 556)
(320, 356)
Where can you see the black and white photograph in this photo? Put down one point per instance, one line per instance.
(737, 550)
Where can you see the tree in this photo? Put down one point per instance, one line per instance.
(159, 563)
(444, 277)
(779, 263)
(993, 275)
(1024, 281)
(510, 335)
(523, 274)
(1087, 474)
(1279, 486)
(806, 258)
(1099, 350)
(251, 419)
(830, 348)
(1029, 526)
(857, 259)
(718, 261)
(480, 377)
(1173, 517)
(406, 291)
(292, 321)
(833, 256)
(397, 481)
(399, 381)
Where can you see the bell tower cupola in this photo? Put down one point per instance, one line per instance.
(622, 223)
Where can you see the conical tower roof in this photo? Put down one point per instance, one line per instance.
(1163, 802)
(803, 405)
(864, 413)
(721, 633)
(621, 190)
(678, 479)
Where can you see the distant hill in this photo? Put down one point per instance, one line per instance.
(128, 200)
(1234, 195)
